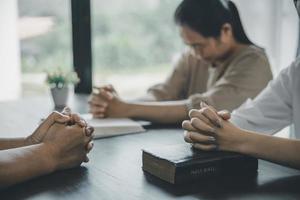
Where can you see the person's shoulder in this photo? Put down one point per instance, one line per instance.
(296, 63)
(293, 69)
(253, 51)
(251, 57)
(255, 48)
(290, 76)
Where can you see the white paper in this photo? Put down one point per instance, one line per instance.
(109, 127)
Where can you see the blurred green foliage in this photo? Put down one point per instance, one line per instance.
(126, 35)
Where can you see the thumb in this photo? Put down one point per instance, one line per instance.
(60, 118)
(53, 118)
(66, 111)
(203, 105)
(107, 94)
(225, 114)
(109, 87)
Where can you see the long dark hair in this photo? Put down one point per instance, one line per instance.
(208, 16)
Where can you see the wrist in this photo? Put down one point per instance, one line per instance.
(130, 109)
(29, 141)
(240, 144)
(232, 138)
(50, 154)
(24, 142)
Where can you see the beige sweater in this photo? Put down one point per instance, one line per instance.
(225, 86)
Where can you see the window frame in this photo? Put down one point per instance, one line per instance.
(81, 44)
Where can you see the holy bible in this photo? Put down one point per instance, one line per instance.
(181, 163)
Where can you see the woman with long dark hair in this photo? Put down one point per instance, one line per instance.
(222, 67)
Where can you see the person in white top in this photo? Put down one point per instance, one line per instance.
(276, 107)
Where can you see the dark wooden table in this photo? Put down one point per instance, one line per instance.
(114, 170)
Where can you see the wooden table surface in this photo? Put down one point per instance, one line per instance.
(114, 170)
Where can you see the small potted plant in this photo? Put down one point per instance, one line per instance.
(60, 83)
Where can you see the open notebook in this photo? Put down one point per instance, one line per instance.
(109, 127)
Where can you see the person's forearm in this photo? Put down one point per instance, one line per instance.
(10, 143)
(149, 97)
(20, 164)
(279, 150)
(162, 112)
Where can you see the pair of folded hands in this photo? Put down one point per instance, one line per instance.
(67, 137)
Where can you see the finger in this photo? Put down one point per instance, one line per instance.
(92, 136)
(98, 114)
(93, 96)
(212, 116)
(106, 94)
(86, 159)
(66, 111)
(203, 105)
(105, 87)
(98, 104)
(87, 136)
(225, 114)
(197, 137)
(87, 141)
(102, 93)
(202, 126)
(205, 147)
(97, 109)
(98, 94)
(54, 117)
(59, 118)
(186, 124)
(78, 120)
(97, 87)
(89, 146)
(186, 136)
(89, 130)
(109, 87)
(98, 101)
(197, 114)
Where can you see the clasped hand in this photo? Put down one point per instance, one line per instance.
(67, 137)
(105, 102)
(210, 130)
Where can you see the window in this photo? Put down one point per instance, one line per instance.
(133, 42)
(45, 41)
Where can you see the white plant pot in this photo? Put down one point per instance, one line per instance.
(60, 96)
